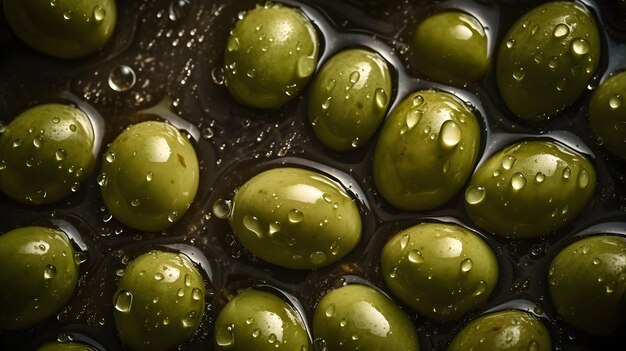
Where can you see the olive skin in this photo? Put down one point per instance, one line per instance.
(349, 98)
(586, 283)
(46, 153)
(451, 47)
(530, 189)
(65, 346)
(260, 321)
(159, 301)
(551, 51)
(39, 275)
(510, 330)
(426, 151)
(270, 55)
(65, 29)
(441, 270)
(295, 218)
(150, 175)
(357, 317)
(607, 114)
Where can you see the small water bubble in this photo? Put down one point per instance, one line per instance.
(475, 194)
(560, 30)
(196, 294)
(272, 338)
(295, 216)
(331, 85)
(99, 13)
(274, 228)
(381, 98)
(415, 256)
(540, 177)
(553, 62)
(17, 143)
(615, 101)
(251, 72)
(518, 181)
(354, 77)
(158, 276)
(450, 134)
(217, 75)
(135, 203)
(49, 272)
(172, 217)
(122, 78)
(60, 155)
(180, 292)
(102, 179)
(256, 332)
(519, 74)
(566, 173)
(355, 142)
(232, 44)
(67, 15)
(330, 310)
(222, 208)
(580, 46)
(466, 265)
(37, 142)
(123, 301)
(510, 43)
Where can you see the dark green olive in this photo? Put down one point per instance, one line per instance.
(547, 58)
(507, 330)
(159, 301)
(451, 47)
(587, 282)
(426, 151)
(357, 317)
(271, 53)
(441, 270)
(529, 189)
(349, 98)
(607, 114)
(260, 321)
(46, 153)
(38, 276)
(65, 346)
(295, 218)
(62, 28)
(150, 176)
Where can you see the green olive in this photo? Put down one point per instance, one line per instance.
(349, 98)
(62, 28)
(451, 47)
(587, 285)
(65, 346)
(271, 53)
(441, 270)
(260, 321)
(530, 189)
(150, 176)
(507, 330)
(159, 301)
(607, 114)
(547, 58)
(357, 317)
(38, 275)
(426, 151)
(46, 153)
(295, 218)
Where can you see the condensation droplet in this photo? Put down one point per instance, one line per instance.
(381, 98)
(330, 310)
(305, 66)
(326, 103)
(560, 30)
(295, 216)
(415, 256)
(354, 77)
(583, 178)
(222, 208)
(67, 15)
(225, 335)
(475, 194)
(466, 265)
(540, 177)
(450, 134)
(122, 78)
(615, 101)
(317, 257)
(190, 319)
(480, 288)
(413, 117)
(252, 224)
(508, 162)
(99, 13)
(158, 276)
(123, 301)
(518, 181)
(49, 272)
(510, 43)
(566, 173)
(580, 46)
(60, 155)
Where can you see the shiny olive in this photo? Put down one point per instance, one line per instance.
(349, 98)
(529, 189)
(357, 317)
(441, 270)
(451, 47)
(65, 346)
(150, 176)
(62, 28)
(607, 114)
(271, 53)
(159, 301)
(295, 218)
(260, 321)
(38, 275)
(547, 58)
(46, 153)
(587, 284)
(426, 151)
(507, 330)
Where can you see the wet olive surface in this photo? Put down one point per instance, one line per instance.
(165, 62)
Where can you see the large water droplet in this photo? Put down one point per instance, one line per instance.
(580, 46)
(99, 13)
(518, 181)
(450, 134)
(615, 101)
(466, 265)
(413, 117)
(123, 301)
(508, 162)
(566, 173)
(273, 228)
(295, 216)
(354, 77)
(415, 256)
(540, 177)
(272, 338)
(122, 78)
(475, 194)
(560, 30)
(381, 98)
(252, 224)
(222, 208)
(225, 335)
(190, 319)
(330, 310)
(49, 272)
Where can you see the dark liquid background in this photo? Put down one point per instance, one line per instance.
(175, 49)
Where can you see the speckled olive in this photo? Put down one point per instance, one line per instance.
(62, 28)
(546, 59)
(530, 189)
(510, 330)
(46, 153)
(357, 317)
(159, 301)
(607, 114)
(441, 270)
(349, 98)
(270, 55)
(65, 346)
(426, 151)
(587, 282)
(150, 176)
(38, 275)
(295, 218)
(451, 47)
(260, 321)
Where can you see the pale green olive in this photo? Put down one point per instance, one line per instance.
(426, 151)
(441, 270)
(295, 218)
(530, 189)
